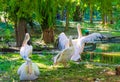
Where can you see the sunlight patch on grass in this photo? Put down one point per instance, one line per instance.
(41, 65)
(89, 66)
(14, 58)
(104, 47)
(112, 54)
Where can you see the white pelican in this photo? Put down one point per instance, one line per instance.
(26, 49)
(79, 43)
(28, 71)
(91, 38)
(65, 55)
(63, 41)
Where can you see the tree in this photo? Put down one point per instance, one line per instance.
(68, 8)
(90, 4)
(106, 8)
(78, 14)
(46, 11)
(19, 12)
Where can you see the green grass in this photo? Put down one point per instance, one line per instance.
(10, 62)
(83, 72)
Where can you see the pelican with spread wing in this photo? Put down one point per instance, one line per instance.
(79, 47)
(63, 41)
(79, 43)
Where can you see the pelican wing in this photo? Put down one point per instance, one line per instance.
(80, 43)
(56, 57)
(25, 75)
(65, 55)
(91, 38)
(20, 69)
(36, 69)
(63, 41)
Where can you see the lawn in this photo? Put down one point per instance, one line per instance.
(82, 72)
(85, 71)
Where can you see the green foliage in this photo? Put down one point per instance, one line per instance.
(20, 9)
(117, 25)
(46, 12)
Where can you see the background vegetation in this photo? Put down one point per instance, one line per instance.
(23, 13)
(45, 20)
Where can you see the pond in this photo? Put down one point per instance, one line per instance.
(108, 57)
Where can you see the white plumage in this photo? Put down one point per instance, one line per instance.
(65, 55)
(28, 71)
(78, 43)
(91, 38)
(63, 41)
(79, 31)
(26, 49)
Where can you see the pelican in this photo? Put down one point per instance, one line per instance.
(91, 38)
(65, 55)
(63, 41)
(26, 49)
(28, 71)
(79, 43)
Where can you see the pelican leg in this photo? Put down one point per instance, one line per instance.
(65, 64)
(54, 65)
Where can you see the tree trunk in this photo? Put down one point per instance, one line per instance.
(21, 29)
(78, 14)
(111, 17)
(91, 13)
(48, 35)
(103, 21)
(63, 15)
(104, 18)
(67, 21)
